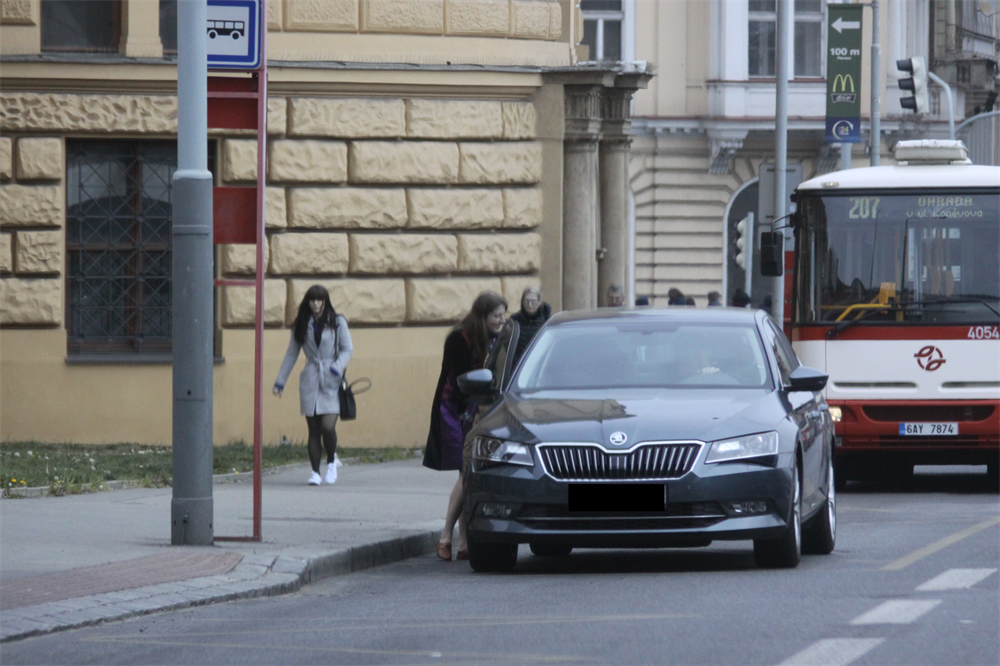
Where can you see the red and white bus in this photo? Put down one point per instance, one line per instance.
(896, 295)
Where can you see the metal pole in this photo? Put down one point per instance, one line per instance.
(951, 104)
(845, 156)
(748, 273)
(258, 360)
(191, 508)
(876, 138)
(785, 18)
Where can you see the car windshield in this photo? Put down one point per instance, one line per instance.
(629, 354)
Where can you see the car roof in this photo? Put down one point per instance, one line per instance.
(675, 314)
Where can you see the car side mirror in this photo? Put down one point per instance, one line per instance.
(476, 382)
(804, 378)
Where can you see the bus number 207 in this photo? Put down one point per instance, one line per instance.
(984, 333)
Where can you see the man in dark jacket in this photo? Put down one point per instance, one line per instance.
(533, 314)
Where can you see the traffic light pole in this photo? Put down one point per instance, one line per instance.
(784, 30)
(748, 279)
(876, 139)
(951, 104)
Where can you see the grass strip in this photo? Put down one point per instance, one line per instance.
(68, 468)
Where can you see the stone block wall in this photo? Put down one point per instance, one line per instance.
(404, 209)
(32, 244)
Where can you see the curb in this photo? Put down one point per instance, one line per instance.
(255, 576)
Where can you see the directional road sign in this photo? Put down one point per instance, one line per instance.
(843, 74)
(232, 32)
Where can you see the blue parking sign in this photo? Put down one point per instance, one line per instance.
(233, 34)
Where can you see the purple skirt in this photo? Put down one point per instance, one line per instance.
(452, 430)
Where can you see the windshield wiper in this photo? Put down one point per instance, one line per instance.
(835, 331)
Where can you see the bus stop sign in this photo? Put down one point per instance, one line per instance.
(232, 33)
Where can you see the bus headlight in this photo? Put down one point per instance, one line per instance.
(836, 414)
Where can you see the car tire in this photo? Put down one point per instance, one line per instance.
(820, 536)
(785, 552)
(485, 557)
(840, 477)
(550, 549)
(993, 476)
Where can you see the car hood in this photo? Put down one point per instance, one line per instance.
(642, 415)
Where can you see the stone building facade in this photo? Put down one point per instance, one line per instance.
(416, 158)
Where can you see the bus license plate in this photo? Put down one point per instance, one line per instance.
(928, 429)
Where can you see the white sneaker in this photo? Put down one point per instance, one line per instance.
(336, 459)
(315, 479)
(331, 472)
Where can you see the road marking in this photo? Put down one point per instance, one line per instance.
(896, 612)
(941, 544)
(955, 579)
(833, 652)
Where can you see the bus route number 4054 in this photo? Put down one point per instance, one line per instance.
(984, 333)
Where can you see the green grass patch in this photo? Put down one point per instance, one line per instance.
(67, 468)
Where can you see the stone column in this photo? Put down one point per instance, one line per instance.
(614, 147)
(580, 210)
(140, 30)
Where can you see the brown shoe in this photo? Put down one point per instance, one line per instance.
(462, 554)
(444, 551)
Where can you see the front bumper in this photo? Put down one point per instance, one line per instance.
(699, 508)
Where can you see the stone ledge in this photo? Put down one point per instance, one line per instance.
(308, 253)
(347, 208)
(444, 299)
(361, 301)
(102, 114)
(403, 253)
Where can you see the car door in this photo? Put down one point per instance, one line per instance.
(808, 416)
(501, 357)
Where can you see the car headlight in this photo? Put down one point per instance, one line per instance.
(751, 446)
(836, 414)
(490, 451)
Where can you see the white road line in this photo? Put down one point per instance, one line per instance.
(896, 612)
(832, 652)
(955, 579)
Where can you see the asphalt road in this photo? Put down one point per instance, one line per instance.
(913, 581)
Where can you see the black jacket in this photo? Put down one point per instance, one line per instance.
(529, 327)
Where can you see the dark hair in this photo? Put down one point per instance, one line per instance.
(328, 319)
(474, 322)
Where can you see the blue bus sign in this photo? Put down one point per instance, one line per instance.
(233, 32)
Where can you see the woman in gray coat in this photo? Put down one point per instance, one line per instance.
(322, 334)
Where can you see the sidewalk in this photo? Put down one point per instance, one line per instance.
(77, 560)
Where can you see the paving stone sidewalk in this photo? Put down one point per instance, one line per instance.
(69, 562)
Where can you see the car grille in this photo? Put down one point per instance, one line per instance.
(678, 516)
(590, 462)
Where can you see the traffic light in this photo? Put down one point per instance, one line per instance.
(741, 243)
(916, 82)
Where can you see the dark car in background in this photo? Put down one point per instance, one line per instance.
(649, 428)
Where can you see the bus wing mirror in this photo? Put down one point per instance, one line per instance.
(772, 250)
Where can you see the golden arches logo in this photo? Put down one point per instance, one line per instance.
(843, 80)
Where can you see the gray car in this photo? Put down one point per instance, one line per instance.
(649, 428)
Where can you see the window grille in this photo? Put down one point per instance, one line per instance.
(118, 245)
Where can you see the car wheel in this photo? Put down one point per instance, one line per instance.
(486, 557)
(785, 551)
(550, 550)
(820, 536)
(993, 475)
(840, 477)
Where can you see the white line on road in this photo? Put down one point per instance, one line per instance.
(832, 652)
(896, 612)
(955, 579)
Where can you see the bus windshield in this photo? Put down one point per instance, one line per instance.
(922, 258)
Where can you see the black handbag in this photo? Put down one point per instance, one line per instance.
(348, 406)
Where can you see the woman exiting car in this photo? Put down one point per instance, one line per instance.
(465, 349)
(323, 336)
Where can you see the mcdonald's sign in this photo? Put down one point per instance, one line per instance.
(843, 73)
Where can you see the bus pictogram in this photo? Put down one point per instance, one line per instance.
(234, 29)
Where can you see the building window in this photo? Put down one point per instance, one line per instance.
(118, 245)
(168, 25)
(80, 25)
(602, 28)
(807, 38)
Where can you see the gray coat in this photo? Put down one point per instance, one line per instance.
(317, 384)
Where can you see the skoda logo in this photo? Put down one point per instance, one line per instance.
(618, 438)
(929, 358)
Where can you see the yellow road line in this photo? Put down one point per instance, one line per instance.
(941, 544)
